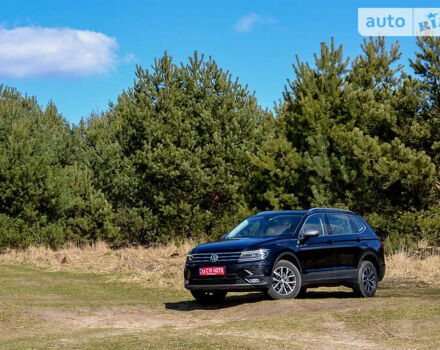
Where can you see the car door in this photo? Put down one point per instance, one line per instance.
(345, 241)
(315, 253)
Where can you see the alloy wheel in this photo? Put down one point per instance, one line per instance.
(369, 279)
(283, 280)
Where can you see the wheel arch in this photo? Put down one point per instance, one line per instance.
(371, 257)
(289, 256)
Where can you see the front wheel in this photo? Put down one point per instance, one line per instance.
(286, 281)
(366, 280)
(209, 297)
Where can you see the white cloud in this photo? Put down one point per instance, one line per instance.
(52, 52)
(129, 58)
(248, 22)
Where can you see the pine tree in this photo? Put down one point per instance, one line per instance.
(427, 66)
(350, 138)
(180, 138)
(45, 197)
(297, 157)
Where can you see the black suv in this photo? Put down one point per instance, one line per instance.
(284, 252)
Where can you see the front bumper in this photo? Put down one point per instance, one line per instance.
(238, 277)
(229, 287)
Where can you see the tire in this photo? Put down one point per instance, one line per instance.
(286, 281)
(209, 297)
(367, 280)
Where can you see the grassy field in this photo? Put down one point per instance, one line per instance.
(96, 298)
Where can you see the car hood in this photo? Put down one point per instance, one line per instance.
(231, 245)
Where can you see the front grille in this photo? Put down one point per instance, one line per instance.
(227, 279)
(214, 281)
(206, 257)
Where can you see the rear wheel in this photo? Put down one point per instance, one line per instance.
(209, 297)
(367, 280)
(286, 281)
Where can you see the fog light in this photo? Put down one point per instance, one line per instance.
(253, 280)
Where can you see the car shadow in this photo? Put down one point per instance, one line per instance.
(249, 298)
(329, 295)
(229, 301)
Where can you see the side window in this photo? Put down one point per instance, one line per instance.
(358, 224)
(315, 222)
(339, 224)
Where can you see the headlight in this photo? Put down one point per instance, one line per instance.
(254, 255)
(189, 258)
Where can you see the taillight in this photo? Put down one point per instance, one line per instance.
(381, 244)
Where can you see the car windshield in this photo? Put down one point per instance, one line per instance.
(266, 226)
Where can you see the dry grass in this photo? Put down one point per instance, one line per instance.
(163, 266)
(403, 265)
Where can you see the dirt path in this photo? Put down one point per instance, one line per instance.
(187, 314)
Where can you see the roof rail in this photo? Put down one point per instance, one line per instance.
(263, 212)
(332, 209)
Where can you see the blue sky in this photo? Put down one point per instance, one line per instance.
(255, 40)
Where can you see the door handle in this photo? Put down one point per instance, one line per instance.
(329, 241)
(358, 239)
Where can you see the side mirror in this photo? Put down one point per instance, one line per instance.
(223, 236)
(310, 233)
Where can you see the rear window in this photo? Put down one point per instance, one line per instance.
(358, 224)
(339, 224)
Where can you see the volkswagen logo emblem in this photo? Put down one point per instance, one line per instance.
(214, 258)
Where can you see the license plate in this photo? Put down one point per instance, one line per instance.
(211, 271)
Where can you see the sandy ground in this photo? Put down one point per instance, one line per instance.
(190, 314)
